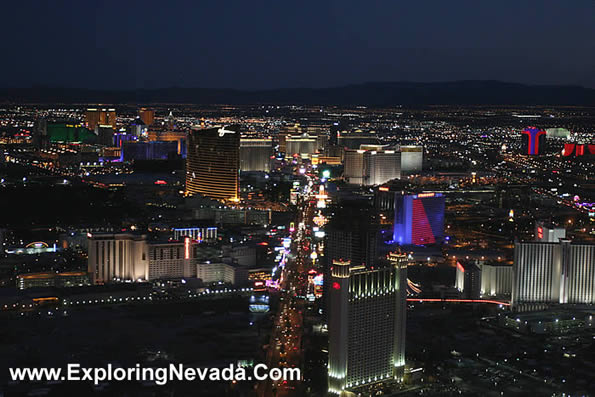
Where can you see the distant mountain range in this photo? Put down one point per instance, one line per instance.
(366, 94)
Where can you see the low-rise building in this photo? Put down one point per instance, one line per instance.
(50, 279)
(211, 273)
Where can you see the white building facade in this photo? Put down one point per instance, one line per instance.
(367, 317)
(130, 257)
(553, 273)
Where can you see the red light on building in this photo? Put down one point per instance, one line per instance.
(460, 267)
(422, 232)
(580, 150)
(568, 149)
(540, 232)
(336, 285)
(160, 182)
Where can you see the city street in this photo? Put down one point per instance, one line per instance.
(285, 347)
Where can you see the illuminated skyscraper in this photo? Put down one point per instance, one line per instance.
(419, 218)
(496, 279)
(385, 165)
(301, 146)
(482, 279)
(171, 259)
(355, 171)
(255, 154)
(147, 115)
(285, 132)
(366, 324)
(213, 163)
(553, 273)
(533, 141)
(468, 279)
(411, 159)
(118, 256)
(95, 117)
(372, 165)
(126, 256)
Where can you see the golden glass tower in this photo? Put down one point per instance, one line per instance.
(147, 115)
(95, 117)
(213, 163)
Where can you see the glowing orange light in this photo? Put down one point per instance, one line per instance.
(187, 248)
(423, 195)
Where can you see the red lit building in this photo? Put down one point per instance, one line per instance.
(533, 141)
(578, 150)
(419, 218)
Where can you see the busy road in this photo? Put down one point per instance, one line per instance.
(285, 347)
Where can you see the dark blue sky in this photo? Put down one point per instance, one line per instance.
(286, 43)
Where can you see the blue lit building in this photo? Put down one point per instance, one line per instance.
(120, 138)
(419, 219)
(152, 150)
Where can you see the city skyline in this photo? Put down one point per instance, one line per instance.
(373, 249)
(311, 199)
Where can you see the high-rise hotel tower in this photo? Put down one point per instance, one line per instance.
(366, 324)
(97, 117)
(419, 218)
(213, 163)
(547, 273)
(255, 154)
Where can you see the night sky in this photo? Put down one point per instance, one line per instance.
(284, 43)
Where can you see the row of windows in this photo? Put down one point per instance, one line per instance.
(165, 253)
